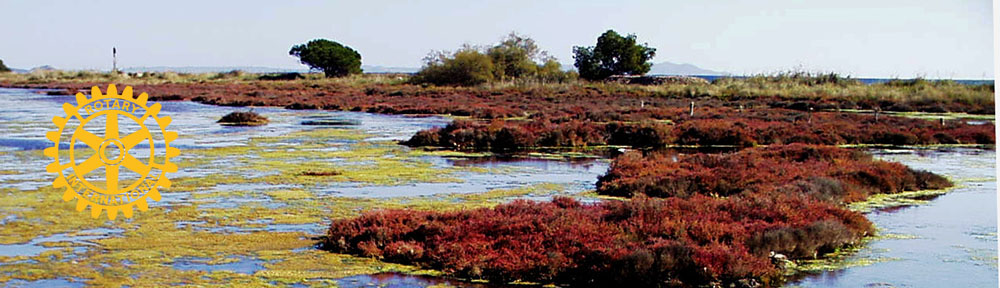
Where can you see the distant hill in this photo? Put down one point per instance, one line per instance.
(39, 68)
(668, 68)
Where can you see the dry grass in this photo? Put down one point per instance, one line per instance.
(897, 95)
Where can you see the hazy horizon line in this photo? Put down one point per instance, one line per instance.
(270, 69)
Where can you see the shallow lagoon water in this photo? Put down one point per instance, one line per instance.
(239, 265)
(397, 280)
(575, 176)
(196, 122)
(953, 236)
(22, 170)
(950, 241)
(36, 246)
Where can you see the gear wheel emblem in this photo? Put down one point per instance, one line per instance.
(110, 196)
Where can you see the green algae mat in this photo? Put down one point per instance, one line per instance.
(246, 214)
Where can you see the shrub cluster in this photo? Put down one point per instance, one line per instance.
(830, 129)
(776, 126)
(243, 119)
(826, 173)
(645, 241)
(3, 68)
(506, 136)
(464, 67)
(516, 57)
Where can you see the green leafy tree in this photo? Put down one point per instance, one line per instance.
(334, 59)
(467, 66)
(613, 55)
(516, 56)
(552, 71)
(3, 68)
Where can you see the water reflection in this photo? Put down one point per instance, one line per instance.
(950, 242)
(574, 176)
(397, 280)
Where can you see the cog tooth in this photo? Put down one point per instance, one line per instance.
(53, 152)
(169, 168)
(112, 91)
(173, 152)
(59, 182)
(112, 212)
(54, 167)
(68, 194)
(127, 210)
(95, 211)
(59, 121)
(95, 93)
(153, 110)
(52, 136)
(80, 98)
(153, 194)
(164, 121)
(80, 205)
(127, 93)
(142, 99)
(164, 182)
(71, 110)
(169, 136)
(142, 204)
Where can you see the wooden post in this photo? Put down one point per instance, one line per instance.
(810, 115)
(876, 113)
(691, 113)
(942, 121)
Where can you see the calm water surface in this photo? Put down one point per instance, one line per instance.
(949, 242)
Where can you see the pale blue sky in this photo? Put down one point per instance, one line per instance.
(870, 38)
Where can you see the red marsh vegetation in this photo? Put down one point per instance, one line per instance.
(390, 94)
(645, 241)
(827, 173)
(690, 220)
(693, 220)
(739, 112)
(718, 126)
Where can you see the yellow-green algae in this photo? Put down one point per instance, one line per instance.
(148, 245)
(906, 198)
(842, 258)
(151, 242)
(846, 257)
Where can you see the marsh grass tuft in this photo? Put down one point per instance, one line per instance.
(243, 119)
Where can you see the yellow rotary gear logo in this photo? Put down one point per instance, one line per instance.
(111, 197)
